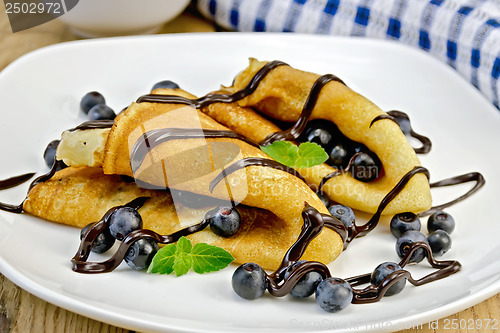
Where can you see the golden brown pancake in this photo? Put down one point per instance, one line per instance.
(282, 94)
(77, 196)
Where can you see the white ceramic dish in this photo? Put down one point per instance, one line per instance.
(40, 94)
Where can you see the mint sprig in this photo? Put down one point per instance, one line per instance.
(307, 155)
(183, 256)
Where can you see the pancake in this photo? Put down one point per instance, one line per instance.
(281, 95)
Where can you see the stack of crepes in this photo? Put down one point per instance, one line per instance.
(111, 166)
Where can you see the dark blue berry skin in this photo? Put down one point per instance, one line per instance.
(404, 243)
(123, 221)
(339, 155)
(103, 242)
(249, 281)
(366, 167)
(441, 221)
(440, 242)
(226, 222)
(324, 198)
(404, 222)
(141, 253)
(167, 84)
(101, 112)
(49, 154)
(307, 284)
(90, 100)
(320, 131)
(382, 271)
(334, 294)
(343, 213)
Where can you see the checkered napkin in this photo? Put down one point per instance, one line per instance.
(465, 34)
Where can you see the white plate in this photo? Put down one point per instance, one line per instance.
(40, 94)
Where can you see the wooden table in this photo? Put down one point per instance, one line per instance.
(22, 312)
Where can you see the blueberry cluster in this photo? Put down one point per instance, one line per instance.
(344, 153)
(93, 104)
(224, 221)
(406, 228)
(119, 224)
(250, 281)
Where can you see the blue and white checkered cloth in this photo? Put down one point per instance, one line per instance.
(463, 33)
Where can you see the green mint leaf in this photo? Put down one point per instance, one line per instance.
(208, 258)
(163, 261)
(279, 150)
(307, 155)
(183, 260)
(310, 154)
(183, 256)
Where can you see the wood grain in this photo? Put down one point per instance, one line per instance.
(22, 312)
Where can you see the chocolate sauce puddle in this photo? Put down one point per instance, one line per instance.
(155, 137)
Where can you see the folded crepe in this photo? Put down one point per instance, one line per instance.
(270, 201)
(282, 94)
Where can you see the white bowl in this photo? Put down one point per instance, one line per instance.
(105, 18)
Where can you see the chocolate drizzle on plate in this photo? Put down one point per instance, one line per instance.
(14, 181)
(403, 121)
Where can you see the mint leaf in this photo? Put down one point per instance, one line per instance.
(279, 150)
(181, 257)
(209, 258)
(307, 155)
(310, 154)
(163, 261)
(183, 260)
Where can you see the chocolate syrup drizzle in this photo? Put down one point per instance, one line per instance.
(94, 124)
(155, 137)
(392, 115)
(14, 181)
(215, 98)
(296, 130)
(313, 220)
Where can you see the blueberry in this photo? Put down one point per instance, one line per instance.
(339, 156)
(441, 221)
(440, 242)
(382, 271)
(226, 221)
(167, 84)
(49, 154)
(343, 213)
(334, 294)
(103, 242)
(321, 132)
(123, 221)
(141, 253)
(404, 243)
(101, 112)
(307, 284)
(366, 167)
(323, 197)
(90, 100)
(249, 281)
(404, 222)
